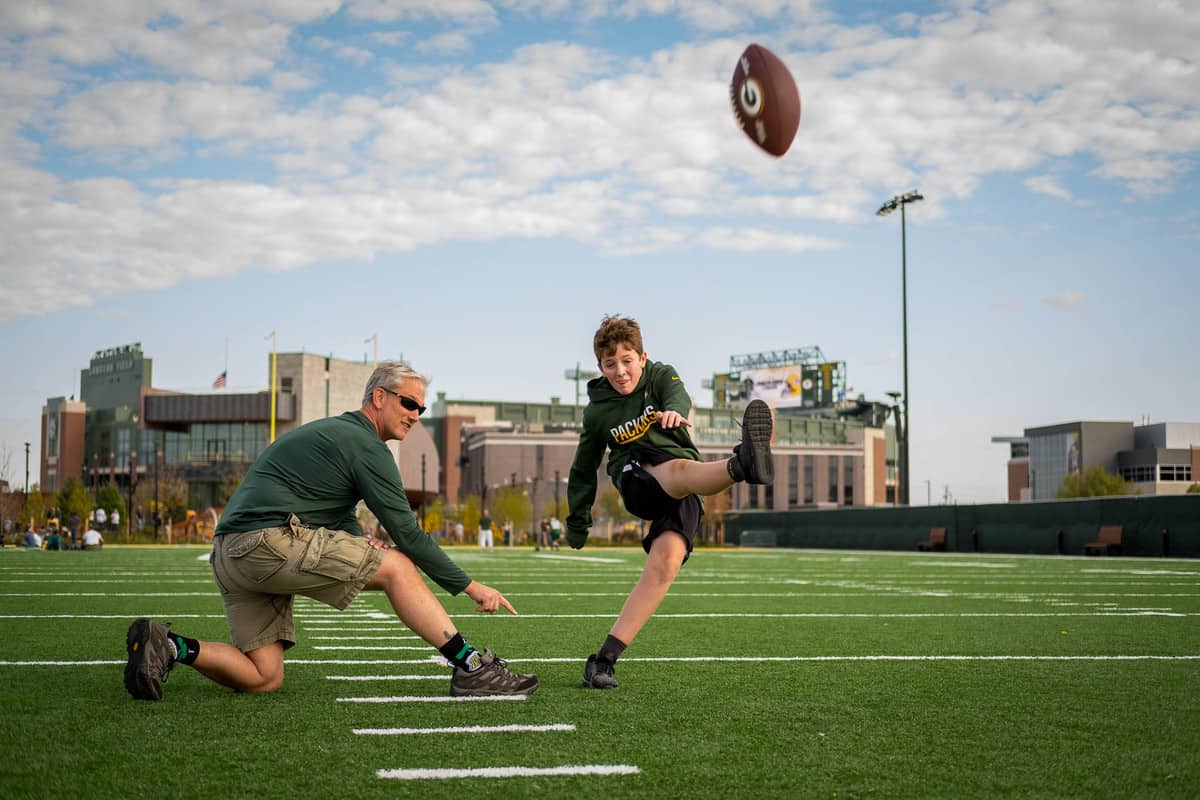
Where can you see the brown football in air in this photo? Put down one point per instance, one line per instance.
(765, 99)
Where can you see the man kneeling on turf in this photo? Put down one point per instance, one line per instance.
(639, 410)
(290, 528)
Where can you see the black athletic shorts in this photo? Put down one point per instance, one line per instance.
(645, 499)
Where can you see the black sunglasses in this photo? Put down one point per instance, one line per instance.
(407, 402)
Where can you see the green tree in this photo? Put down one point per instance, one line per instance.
(612, 506)
(511, 504)
(111, 500)
(1094, 482)
(74, 498)
(34, 511)
(1194, 488)
(469, 508)
(435, 514)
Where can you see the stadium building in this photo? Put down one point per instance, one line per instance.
(1157, 459)
(829, 451)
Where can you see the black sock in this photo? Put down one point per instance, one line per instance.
(459, 652)
(611, 650)
(186, 649)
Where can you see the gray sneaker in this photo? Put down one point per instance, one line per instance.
(150, 658)
(753, 455)
(493, 677)
(598, 674)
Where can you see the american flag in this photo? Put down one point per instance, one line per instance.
(219, 383)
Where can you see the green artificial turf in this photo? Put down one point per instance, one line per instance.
(869, 710)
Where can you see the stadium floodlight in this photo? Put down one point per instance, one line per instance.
(900, 201)
(578, 375)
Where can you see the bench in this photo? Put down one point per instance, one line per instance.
(1108, 541)
(936, 540)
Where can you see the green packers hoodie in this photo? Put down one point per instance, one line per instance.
(618, 422)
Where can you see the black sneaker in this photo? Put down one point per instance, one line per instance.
(150, 658)
(598, 674)
(493, 677)
(752, 458)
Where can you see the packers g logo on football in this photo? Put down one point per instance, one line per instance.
(751, 97)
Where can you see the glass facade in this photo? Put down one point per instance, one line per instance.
(1054, 454)
(209, 442)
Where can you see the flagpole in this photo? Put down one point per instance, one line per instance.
(273, 373)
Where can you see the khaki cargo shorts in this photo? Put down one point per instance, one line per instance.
(259, 572)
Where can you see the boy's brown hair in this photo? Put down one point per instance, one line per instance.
(616, 330)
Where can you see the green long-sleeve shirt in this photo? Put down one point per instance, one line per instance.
(616, 422)
(319, 472)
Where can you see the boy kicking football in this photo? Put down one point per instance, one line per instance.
(638, 410)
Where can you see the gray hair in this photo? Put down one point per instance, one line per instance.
(389, 375)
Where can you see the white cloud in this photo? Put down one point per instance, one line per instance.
(1047, 184)
(555, 139)
(1066, 301)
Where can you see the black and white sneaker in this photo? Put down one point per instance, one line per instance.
(752, 460)
(150, 658)
(493, 677)
(598, 674)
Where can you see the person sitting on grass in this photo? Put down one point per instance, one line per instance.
(290, 529)
(639, 410)
(92, 539)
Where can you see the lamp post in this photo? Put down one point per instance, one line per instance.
(157, 515)
(132, 487)
(900, 201)
(27, 471)
(533, 525)
(422, 490)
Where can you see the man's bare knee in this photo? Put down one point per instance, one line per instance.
(396, 569)
(270, 684)
(268, 663)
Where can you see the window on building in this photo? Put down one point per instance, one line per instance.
(809, 493)
(1175, 472)
(833, 478)
(1143, 473)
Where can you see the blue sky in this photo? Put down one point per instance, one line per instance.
(478, 183)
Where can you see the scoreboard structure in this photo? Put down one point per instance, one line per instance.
(795, 379)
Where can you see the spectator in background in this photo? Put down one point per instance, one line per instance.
(31, 539)
(54, 540)
(92, 540)
(485, 530)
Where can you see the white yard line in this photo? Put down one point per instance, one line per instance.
(385, 648)
(556, 726)
(595, 559)
(422, 698)
(506, 772)
(646, 659)
(442, 677)
(847, 615)
(366, 638)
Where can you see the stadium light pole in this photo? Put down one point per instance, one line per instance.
(900, 201)
(578, 374)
